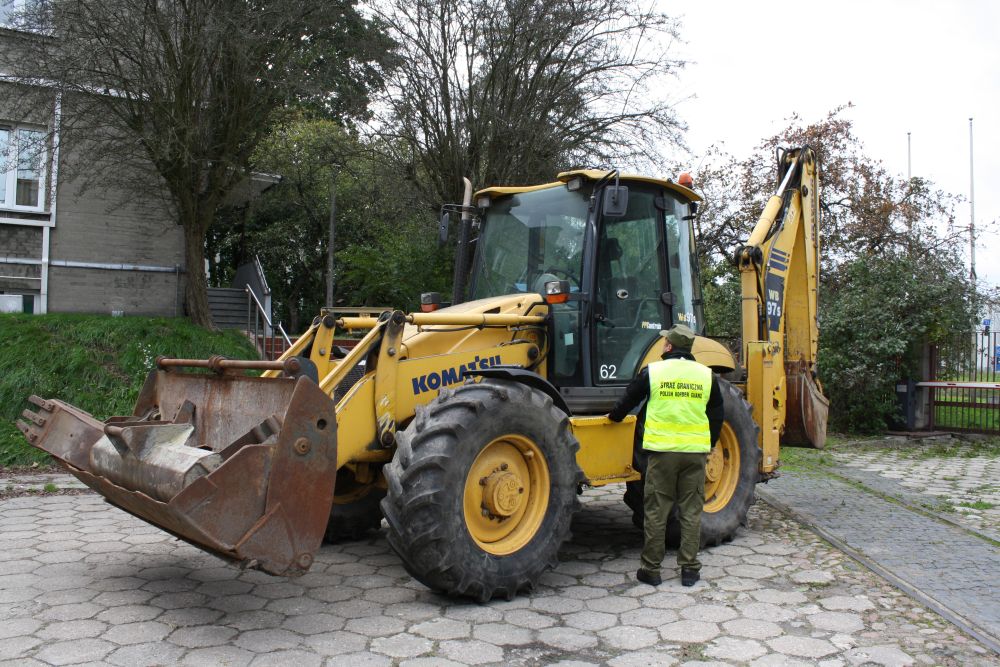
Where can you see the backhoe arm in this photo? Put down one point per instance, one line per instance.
(779, 272)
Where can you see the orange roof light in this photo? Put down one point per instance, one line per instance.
(556, 291)
(685, 180)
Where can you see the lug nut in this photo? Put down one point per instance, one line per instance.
(482, 481)
(503, 466)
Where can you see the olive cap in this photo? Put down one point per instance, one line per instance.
(679, 335)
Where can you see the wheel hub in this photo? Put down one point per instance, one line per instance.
(506, 494)
(503, 493)
(714, 465)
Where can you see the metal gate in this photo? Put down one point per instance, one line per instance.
(964, 383)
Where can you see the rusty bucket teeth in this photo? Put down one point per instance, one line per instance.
(201, 470)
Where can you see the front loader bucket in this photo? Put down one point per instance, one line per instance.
(242, 467)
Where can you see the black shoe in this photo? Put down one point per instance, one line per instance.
(689, 577)
(647, 577)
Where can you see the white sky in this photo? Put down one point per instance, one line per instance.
(908, 66)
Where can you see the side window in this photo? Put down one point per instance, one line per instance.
(628, 311)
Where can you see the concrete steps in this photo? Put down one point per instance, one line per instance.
(228, 307)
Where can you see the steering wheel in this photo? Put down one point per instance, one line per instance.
(569, 276)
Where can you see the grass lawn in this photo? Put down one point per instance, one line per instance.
(97, 363)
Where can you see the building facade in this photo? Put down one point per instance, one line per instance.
(66, 244)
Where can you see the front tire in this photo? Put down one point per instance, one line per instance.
(731, 475)
(482, 490)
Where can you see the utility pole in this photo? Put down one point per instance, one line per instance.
(972, 213)
(330, 244)
(909, 170)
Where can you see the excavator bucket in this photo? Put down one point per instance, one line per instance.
(807, 409)
(242, 467)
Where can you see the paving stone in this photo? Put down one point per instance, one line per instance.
(780, 660)
(137, 633)
(643, 659)
(812, 577)
(429, 662)
(567, 639)
(846, 603)
(335, 643)
(265, 641)
(15, 627)
(836, 621)
(314, 624)
(202, 636)
(442, 628)
(590, 620)
(804, 647)
(708, 612)
(148, 654)
(629, 637)
(502, 634)
(403, 645)
(689, 631)
(765, 611)
(128, 614)
(76, 651)
(471, 652)
(231, 656)
(17, 647)
(528, 619)
(69, 629)
(753, 628)
(359, 660)
(730, 648)
(887, 655)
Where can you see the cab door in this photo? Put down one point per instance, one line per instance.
(632, 295)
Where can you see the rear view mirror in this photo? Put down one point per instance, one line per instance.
(443, 227)
(615, 201)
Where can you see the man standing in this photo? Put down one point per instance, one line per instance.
(684, 415)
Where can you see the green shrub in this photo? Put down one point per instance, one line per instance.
(97, 363)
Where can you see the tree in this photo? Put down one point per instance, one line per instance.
(178, 94)
(513, 92)
(891, 274)
(386, 253)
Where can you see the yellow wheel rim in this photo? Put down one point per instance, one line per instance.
(722, 471)
(506, 494)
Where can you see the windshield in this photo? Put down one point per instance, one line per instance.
(528, 239)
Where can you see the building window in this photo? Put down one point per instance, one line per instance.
(22, 168)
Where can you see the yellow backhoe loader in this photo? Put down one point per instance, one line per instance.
(471, 426)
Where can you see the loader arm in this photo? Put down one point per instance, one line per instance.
(779, 274)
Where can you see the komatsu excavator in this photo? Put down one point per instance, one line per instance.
(471, 426)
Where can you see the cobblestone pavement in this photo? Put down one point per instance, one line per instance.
(951, 566)
(82, 582)
(964, 484)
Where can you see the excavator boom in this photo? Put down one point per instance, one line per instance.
(779, 270)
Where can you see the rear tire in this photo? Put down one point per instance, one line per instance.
(731, 475)
(482, 489)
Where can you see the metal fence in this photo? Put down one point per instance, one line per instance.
(964, 383)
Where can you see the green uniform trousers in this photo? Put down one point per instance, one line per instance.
(673, 478)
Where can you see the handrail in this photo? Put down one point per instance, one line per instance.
(260, 275)
(259, 314)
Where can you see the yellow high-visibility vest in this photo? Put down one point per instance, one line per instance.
(675, 414)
